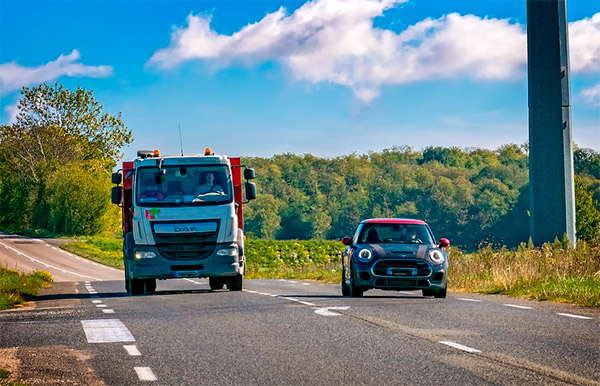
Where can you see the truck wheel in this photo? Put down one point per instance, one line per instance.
(136, 286)
(216, 282)
(127, 281)
(441, 294)
(235, 283)
(150, 285)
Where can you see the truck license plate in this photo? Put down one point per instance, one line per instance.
(186, 274)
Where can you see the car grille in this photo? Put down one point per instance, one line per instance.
(401, 267)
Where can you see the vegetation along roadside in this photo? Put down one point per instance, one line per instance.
(16, 287)
(554, 272)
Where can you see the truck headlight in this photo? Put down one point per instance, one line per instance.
(144, 255)
(436, 256)
(364, 255)
(228, 252)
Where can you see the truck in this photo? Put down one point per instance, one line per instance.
(182, 217)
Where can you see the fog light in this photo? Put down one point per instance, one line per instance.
(144, 255)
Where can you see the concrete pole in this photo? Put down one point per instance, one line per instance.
(552, 191)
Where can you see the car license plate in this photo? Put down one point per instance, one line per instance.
(402, 271)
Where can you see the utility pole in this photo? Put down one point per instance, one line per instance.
(551, 186)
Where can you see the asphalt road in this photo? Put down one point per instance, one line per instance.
(282, 332)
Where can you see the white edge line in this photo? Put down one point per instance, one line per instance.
(574, 316)
(460, 347)
(145, 374)
(132, 350)
(520, 307)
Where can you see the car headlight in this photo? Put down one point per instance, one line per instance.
(144, 255)
(228, 252)
(436, 256)
(364, 255)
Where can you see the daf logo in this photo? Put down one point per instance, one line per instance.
(185, 229)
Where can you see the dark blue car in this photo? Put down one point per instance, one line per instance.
(394, 254)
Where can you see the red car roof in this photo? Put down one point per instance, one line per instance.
(394, 221)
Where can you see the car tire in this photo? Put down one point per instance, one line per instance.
(345, 288)
(150, 285)
(216, 283)
(235, 283)
(440, 294)
(427, 292)
(355, 291)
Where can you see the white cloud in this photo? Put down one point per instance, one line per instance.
(584, 44)
(592, 95)
(14, 76)
(335, 41)
(11, 112)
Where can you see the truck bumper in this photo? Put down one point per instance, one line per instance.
(143, 266)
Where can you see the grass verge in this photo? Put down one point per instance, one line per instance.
(16, 288)
(103, 250)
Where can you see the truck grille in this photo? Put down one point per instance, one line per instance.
(401, 267)
(186, 251)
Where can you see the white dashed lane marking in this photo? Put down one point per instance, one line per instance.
(574, 316)
(325, 310)
(520, 307)
(108, 311)
(460, 347)
(469, 300)
(145, 374)
(106, 331)
(132, 350)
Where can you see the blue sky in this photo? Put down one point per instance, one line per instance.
(327, 77)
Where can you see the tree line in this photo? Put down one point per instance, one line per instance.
(56, 159)
(471, 196)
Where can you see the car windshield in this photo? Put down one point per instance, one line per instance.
(183, 184)
(395, 234)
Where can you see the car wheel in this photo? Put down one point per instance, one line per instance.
(136, 286)
(355, 292)
(235, 283)
(440, 294)
(427, 292)
(150, 285)
(216, 282)
(345, 288)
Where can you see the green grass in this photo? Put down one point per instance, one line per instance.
(103, 250)
(16, 287)
(552, 272)
(4, 381)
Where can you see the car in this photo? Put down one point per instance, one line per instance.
(394, 254)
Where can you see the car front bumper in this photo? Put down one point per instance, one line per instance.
(400, 274)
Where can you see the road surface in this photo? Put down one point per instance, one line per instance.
(285, 332)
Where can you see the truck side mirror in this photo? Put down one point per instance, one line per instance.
(117, 178)
(249, 174)
(116, 194)
(250, 190)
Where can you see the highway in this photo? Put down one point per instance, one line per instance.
(284, 332)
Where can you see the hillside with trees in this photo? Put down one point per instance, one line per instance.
(471, 196)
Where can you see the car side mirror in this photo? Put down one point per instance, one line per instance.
(116, 178)
(444, 243)
(250, 190)
(347, 241)
(116, 195)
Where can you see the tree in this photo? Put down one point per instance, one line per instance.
(55, 128)
(586, 212)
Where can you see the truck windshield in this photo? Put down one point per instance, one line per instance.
(395, 234)
(183, 184)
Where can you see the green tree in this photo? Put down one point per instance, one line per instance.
(55, 127)
(587, 214)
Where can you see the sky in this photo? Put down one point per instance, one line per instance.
(325, 77)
